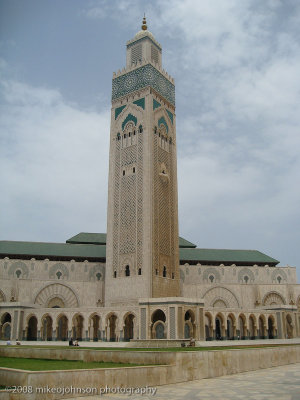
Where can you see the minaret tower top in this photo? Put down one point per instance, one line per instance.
(143, 48)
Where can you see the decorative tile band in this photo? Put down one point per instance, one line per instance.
(142, 77)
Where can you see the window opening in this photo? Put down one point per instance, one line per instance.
(164, 272)
(58, 274)
(18, 273)
(98, 276)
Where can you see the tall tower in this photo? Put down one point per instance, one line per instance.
(142, 258)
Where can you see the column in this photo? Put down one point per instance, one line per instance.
(201, 335)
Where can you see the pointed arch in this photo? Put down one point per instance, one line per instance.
(131, 118)
(21, 266)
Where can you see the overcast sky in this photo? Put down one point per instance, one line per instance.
(236, 66)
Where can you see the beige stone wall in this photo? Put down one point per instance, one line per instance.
(240, 287)
(37, 282)
(182, 367)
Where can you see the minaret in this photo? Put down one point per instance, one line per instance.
(142, 228)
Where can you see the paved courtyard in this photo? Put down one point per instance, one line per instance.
(278, 383)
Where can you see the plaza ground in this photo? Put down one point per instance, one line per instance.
(277, 383)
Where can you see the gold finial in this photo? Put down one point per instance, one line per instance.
(144, 26)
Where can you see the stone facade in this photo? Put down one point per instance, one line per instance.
(137, 287)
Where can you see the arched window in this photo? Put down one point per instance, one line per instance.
(140, 271)
(58, 274)
(156, 271)
(173, 275)
(98, 276)
(115, 274)
(140, 129)
(279, 279)
(18, 273)
(164, 272)
(246, 278)
(211, 278)
(127, 270)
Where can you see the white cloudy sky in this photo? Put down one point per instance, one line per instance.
(237, 70)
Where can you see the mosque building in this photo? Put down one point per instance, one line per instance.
(141, 280)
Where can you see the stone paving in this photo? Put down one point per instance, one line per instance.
(278, 383)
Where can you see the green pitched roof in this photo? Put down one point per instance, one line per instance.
(100, 238)
(225, 256)
(88, 238)
(183, 243)
(92, 246)
(52, 250)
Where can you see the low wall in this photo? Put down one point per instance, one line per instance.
(89, 355)
(185, 366)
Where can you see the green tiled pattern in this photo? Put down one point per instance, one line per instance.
(140, 78)
(163, 121)
(156, 104)
(140, 103)
(118, 111)
(129, 117)
(170, 115)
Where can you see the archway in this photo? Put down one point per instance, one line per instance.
(5, 326)
(289, 327)
(47, 327)
(261, 327)
(271, 327)
(252, 327)
(242, 331)
(208, 327)
(112, 319)
(77, 327)
(158, 330)
(128, 327)
(32, 328)
(95, 327)
(220, 329)
(189, 325)
(230, 331)
(62, 328)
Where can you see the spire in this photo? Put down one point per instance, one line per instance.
(144, 25)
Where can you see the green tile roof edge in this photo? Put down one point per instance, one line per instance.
(88, 238)
(225, 256)
(92, 251)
